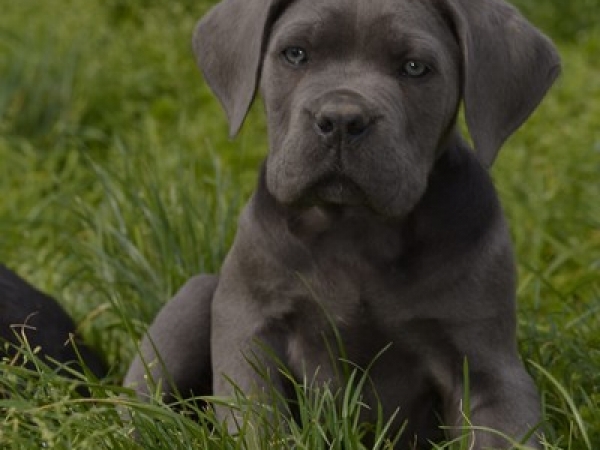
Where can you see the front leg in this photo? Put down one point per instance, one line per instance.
(247, 348)
(502, 398)
(175, 352)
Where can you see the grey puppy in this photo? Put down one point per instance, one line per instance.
(372, 215)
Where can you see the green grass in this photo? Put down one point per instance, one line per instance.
(117, 183)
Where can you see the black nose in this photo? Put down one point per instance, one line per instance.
(342, 116)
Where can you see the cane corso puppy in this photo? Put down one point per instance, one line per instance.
(372, 216)
(26, 314)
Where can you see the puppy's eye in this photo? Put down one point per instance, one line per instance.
(415, 69)
(296, 56)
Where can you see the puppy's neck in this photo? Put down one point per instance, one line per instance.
(295, 236)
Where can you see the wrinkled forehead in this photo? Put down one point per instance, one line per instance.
(364, 20)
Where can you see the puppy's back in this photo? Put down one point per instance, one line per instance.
(27, 313)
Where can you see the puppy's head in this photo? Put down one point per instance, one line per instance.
(361, 96)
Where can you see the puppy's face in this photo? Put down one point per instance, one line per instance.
(359, 99)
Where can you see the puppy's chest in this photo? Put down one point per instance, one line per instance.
(351, 283)
(358, 273)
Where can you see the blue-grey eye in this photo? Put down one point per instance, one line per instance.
(296, 56)
(415, 69)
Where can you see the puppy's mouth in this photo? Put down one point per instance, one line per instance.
(337, 190)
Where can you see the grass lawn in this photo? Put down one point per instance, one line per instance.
(118, 182)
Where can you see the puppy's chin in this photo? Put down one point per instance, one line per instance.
(336, 191)
(335, 195)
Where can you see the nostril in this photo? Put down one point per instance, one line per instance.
(325, 125)
(356, 126)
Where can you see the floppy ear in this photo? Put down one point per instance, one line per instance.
(508, 66)
(229, 43)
